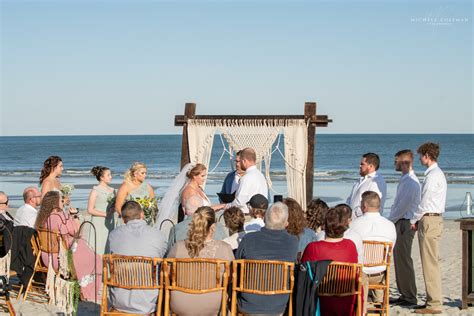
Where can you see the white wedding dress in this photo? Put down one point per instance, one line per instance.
(168, 208)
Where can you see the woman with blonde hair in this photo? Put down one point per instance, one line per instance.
(187, 186)
(133, 186)
(196, 178)
(199, 244)
(87, 263)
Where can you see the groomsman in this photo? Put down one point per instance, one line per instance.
(370, 180)
(405, 204)
(428, 220)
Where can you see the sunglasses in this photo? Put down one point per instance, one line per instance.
(6, 202)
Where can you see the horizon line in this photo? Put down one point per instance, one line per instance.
(180, 134)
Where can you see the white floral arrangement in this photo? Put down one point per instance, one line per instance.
(66, 189)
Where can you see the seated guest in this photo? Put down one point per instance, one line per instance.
(297, 224)
(272, 242)
(334, 247)
(234, 220)
(6, 221)
(180, 230)
(199, 244)
(232, 180)
(52, 218)
(315, 215)
(257, 206)
(27, 213)
(351, 234)
(135, 238)
(373, 226)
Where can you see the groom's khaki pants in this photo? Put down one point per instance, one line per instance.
(429, 236)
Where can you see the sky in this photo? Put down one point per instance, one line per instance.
(128, 67)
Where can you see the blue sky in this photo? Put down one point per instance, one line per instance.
(127, 67)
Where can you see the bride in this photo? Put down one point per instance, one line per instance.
(186, 186)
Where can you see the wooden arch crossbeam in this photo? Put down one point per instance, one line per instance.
(309, 116)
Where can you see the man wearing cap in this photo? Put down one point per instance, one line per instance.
(252, 182)
(257, 206)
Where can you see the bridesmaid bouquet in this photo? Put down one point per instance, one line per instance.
(150, 208)
(66, 189)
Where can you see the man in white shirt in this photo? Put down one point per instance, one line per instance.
(405, 204)
(428, 220)
(372, 226)
(370, 180)
(27, 213)
(251, 183)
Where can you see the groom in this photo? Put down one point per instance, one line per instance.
(252, 182)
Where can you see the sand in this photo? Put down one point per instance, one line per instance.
(450, 267)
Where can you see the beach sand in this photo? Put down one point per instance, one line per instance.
(450, 268)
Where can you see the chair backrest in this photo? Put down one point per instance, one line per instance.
(265, 277)
(342, 279)
(196, 275)
(377, 253)
(48, 241)
(132, 272)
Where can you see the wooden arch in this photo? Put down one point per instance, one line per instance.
(309, 115)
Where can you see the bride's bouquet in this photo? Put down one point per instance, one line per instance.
(150, 208)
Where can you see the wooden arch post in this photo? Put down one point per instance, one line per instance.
(309, 116)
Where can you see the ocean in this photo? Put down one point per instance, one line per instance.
(336, 162)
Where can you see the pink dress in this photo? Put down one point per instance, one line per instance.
(83, 257)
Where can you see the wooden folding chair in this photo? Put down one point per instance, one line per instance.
(131, 273)
(196, 276)
(43, 241)
(343, 279)
(4, 291)
(377, 254)
(264, 277)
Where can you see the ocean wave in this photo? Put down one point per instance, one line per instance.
(453, 177)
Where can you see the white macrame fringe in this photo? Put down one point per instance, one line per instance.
(59, 290)
(259, 135)
(5, 264)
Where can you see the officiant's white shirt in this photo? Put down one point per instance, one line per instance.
(251, 183)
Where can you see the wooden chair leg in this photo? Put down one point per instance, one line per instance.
(28, 288)
(11, 310)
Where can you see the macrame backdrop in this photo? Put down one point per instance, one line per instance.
(200, 141)
(296, 155)
(259, 135)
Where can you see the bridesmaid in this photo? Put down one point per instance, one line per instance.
(97, 206)
(50, 174)
(49, 180)
(133, 186)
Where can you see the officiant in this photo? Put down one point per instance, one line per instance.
(231, 181)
